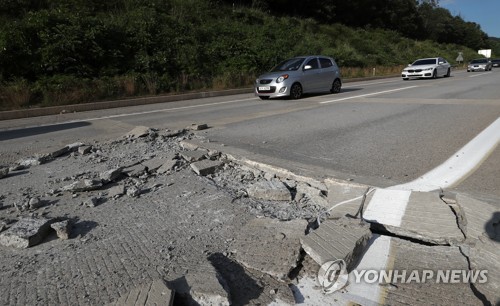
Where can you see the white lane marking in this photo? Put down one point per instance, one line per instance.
(372, 259)
(450, 172)
(373, 83)
(460, 164)
(368, 95)
(476, 75)
(163, 110)
(136, 113)
(387, 206)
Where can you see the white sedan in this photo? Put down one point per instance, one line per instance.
(427, 68)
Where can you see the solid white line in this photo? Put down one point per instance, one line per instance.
(367, 95)
(387, 206)
(460, 164)
(365, 84)
(476, 75)
(138, 113)
(164, 110)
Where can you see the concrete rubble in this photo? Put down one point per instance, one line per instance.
(193, 156)
(26, 233)
(206, 167)
(110, 175)
(338, 239)
(270, 246)
(155, 293)
(202, 285)
(425, 217)
(4, 171)
(259, 221)
(139, 131)
(408, 256)
(62, 229)
(83, 185)
(270, 190)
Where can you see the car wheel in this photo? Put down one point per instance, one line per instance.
(434, 74)
(336, 86)
(296, 91)
(447, 75)
(264, 97)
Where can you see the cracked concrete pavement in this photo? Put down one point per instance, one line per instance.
(168, 211)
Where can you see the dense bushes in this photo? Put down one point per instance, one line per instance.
(75, 51)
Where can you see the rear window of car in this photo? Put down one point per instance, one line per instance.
(325, 62)
(479, 61)
(431, 61)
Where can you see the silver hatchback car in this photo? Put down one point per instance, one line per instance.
(296, 76)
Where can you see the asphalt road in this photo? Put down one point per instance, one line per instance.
(382, 132)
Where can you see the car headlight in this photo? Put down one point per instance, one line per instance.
(282, 78)
(428, 69)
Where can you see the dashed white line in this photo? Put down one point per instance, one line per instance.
(368, 95)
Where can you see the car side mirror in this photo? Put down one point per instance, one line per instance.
(409, 65)
(440, 63)
(307, 67)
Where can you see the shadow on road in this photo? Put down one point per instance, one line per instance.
(19, 133)
(492, 227)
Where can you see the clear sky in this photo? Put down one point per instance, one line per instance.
(484, 12)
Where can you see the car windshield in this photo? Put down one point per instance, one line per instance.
(290, 64)
(430, 61)
(496, 61)
(479, 61)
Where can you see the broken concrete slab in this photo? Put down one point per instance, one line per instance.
(4, 171)
(484, 255)
(408, 257)
(270, 246)
(83, 185)
(51, 154)
(155, 293)
(135, 170)
(138, 131)
(84, 150)
(203, 284)
(344, 238)
(340, 191)
(174, 133)
(26, 232)
(480, 218)
(193, 156)
(35, 203)
(168, 165)
(153, 164)
(92, 202)
(28, 162)
(206, 167)
(110, 175)
(116, 191)
(133, 191)
(62, 229)
(418, 215)
(270, 190)
(197, 127)
(189, 145)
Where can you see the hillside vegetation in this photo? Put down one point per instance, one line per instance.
(55, 52)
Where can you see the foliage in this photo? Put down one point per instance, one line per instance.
(76, 51)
